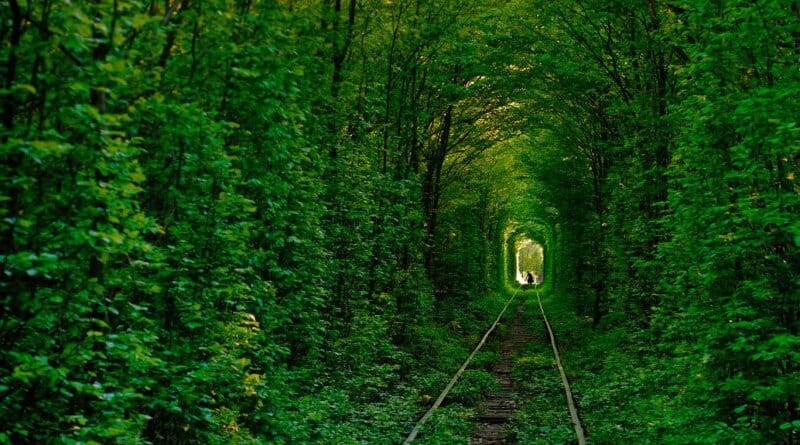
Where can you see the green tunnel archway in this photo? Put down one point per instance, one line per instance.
(536, 239)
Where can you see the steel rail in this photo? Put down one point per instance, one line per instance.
(573, 411)
(461, 370)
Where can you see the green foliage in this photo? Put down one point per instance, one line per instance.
(472, 387)
(279, 222)
(734, 204)
(165, 275)
(449, 426)
(682, 232)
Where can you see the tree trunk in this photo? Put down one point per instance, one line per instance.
(432, 187)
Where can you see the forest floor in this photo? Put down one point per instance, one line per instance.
(494, 413)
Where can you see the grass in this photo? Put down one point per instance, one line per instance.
(623, 391)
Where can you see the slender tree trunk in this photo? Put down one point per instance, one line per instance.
(432, 187)
(661, 74)
(341, 46)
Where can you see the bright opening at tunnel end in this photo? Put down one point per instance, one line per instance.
(529, 262)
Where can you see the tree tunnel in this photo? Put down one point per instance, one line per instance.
(528, 249)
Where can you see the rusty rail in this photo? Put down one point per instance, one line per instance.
(573, 411)
(461, 370)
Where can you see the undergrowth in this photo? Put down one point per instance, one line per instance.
(623, 390)
(378, 389)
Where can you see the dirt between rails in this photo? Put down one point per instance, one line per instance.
(492, 421)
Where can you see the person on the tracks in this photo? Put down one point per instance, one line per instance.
(529, 278)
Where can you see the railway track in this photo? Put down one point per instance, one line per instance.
(573, 411)
(498, 407)
(491, 423)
